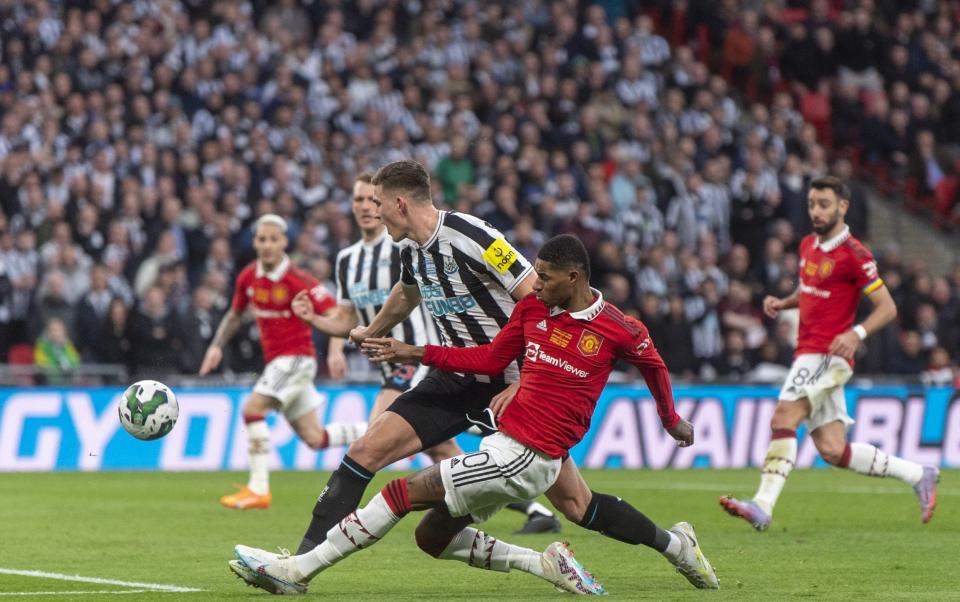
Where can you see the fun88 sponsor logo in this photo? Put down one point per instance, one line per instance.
(440, 305)
(450, 305)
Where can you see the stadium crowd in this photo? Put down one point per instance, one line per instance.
(138, 141)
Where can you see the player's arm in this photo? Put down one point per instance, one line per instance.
(525, 287)
(225, 331)
(336, 322)
(884, 311)
(490, 359)
(772, 305)
(336, 360)
(641, 353)
(401, 302)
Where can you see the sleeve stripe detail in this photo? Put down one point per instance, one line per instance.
(475, 233)
(873, 286)
(520, 278)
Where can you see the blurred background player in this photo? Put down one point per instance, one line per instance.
(835, 269)
(269, 284)
(366, 271)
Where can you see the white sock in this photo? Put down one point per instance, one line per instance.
(538, 508)
(344, 433)
(358, 530)
(258, 449)
(781, 456)
(872, 461)
(673, 548)
(483, 551)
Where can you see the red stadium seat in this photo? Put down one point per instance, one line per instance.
(21, 354)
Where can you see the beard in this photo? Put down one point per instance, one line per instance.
(827, 226)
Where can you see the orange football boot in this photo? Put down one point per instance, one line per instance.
(245, 499)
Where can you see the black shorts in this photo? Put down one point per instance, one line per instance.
(398, 377)
(445, 404)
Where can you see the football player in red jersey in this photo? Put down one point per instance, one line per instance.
(571, 339)
(835, 271)
(269, 285)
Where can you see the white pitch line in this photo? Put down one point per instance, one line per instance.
(80, 593)
(156, 587)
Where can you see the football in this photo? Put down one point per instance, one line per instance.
(148, 409)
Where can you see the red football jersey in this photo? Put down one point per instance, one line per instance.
(567, 359)
(270, 293)
(833, 275)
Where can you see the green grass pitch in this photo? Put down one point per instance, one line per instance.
(836, 536)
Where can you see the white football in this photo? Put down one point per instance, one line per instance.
(148, 409)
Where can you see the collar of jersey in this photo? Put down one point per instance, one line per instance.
(436, 231)
(376, 240)
(833, 243)
(587, 314)
(277, 272)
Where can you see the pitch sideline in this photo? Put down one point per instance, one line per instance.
(139, 587)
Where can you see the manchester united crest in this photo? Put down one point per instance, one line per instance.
(589, 343)
(826, 268)
(280, 295)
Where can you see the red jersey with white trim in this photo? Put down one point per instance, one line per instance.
(271, 293)
(567, 359)
(833, 276)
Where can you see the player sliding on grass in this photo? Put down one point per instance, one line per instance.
(570, 339)
(834, 269)
(269, 285)
(365, 273)
(468, 276)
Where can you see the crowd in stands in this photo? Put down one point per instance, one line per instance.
(879, 79)
(139, 140)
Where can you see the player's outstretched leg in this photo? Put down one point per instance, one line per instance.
(389, 438)
(256, 493)
(869, 460)
(777, 465)
(448, 538)
(539, 518)
(338, 434)
(339, 497)
(612, 516)
(285, 574)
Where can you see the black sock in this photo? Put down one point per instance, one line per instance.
(339, 497)
(615, 518)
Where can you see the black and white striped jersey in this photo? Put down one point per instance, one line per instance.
(465, 273)
(365, 272)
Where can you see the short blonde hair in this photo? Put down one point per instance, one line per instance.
(271, 218)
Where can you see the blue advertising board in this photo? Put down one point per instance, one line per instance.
(77, 429)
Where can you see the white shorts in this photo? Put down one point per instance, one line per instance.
(820, 378)
(503, 471)
(289, 380)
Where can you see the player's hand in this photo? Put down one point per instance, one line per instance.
(337, 365)
(502, 399)
(211, 360)
(845, 344)
(358, 335)
(683, 433)
(302, 307)
(772, 306)
(391, 350)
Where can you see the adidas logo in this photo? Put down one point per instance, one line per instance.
(542, 325)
